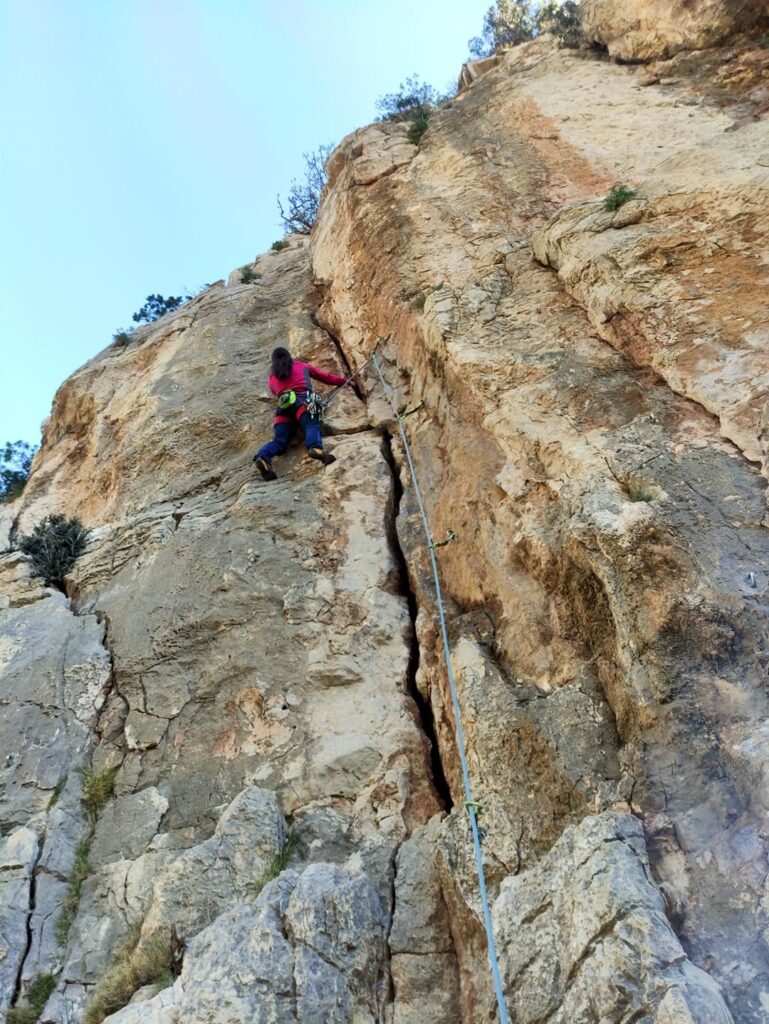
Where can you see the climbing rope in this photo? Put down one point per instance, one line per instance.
(471, 806)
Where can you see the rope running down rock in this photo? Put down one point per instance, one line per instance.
(470, 804)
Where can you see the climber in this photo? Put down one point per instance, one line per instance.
(290, 381)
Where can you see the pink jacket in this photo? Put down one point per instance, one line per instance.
(299, 379)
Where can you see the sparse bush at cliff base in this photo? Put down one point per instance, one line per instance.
(81, 869)
(277, 864)
(35, 996)
(15, 464)
(304, 197)
(134, 965)
(618, 196)
(98, 787)
(54, 545)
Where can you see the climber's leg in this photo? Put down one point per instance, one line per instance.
(284, 429)
(313, 439)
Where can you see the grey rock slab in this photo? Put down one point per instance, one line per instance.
(19, 852)
(423, 965)
(310, 949)
(127, 825)
(54, 671)
(584, 936)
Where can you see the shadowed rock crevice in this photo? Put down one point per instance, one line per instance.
(426, 713)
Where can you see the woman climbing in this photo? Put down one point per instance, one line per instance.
(290, 380)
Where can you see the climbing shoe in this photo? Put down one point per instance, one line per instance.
(322, 456)
(268, 473)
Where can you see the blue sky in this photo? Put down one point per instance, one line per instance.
(143, 142)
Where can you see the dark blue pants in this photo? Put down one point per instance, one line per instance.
(285, 431)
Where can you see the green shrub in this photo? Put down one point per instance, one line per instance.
(54, 545)
(35, 996)
(304, 196)
(156, 306)
(248, 276)
(123, 335)
(280, 244)
(277, 864)
(136, 963)
(15, 464)
(506, 24)
(510, 22)
(81, 869)
(419, 125)
(413, 103)
(98, 787)
(563, 20)
(618, 196)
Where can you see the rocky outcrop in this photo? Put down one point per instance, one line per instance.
(257, 636)
(609, 552)
(637, 31)
(255, 668)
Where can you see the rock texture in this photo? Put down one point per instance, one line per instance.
(258, 665)
(259, 641)
(636, 31)
(607, 577)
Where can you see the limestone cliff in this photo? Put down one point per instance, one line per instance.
(258, 665)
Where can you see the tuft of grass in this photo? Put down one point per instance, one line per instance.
(137, 963)
(637, 492)
(618, 196)
(248, 275)
(56, 792)
(277, 864)
(98, 787)
(280, 244)
(122, 336)
(81, 869)
(36, 996)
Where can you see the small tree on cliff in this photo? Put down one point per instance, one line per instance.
(511, 22)
(15, 464)
(156, 306)
(506, 24)
(303, 201)
(413, 102)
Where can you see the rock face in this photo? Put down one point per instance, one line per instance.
(638, 31)
(254, 671)
(607, 617)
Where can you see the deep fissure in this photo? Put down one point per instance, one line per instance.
(30, 912)
(424, 707)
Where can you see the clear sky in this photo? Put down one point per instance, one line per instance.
(143, 142)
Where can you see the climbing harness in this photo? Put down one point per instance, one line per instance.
(471, 806)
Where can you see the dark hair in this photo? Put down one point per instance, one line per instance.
(282, 362)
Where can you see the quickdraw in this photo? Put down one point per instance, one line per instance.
(315, 406)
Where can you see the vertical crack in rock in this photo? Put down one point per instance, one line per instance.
(31, 906)
(426, 715)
